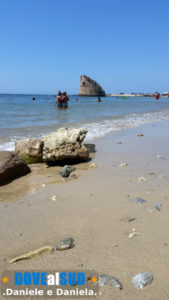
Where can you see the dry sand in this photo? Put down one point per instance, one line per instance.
(95, 210)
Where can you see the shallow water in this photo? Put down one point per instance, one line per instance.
(20, 117)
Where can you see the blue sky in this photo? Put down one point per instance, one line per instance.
(45, 45)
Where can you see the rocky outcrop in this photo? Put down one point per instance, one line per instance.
(89, 87)
(30, 150)
(65, 145)
(11, 167)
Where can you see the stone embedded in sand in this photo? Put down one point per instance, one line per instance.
(106, 280)
(30, 150)
(65, 145)
(65, 244)
(139, 200)
(142, 279)
(67, 170)
(11, 167)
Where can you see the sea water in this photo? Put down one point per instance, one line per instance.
(21, 117)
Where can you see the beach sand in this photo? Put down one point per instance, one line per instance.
(98, 211)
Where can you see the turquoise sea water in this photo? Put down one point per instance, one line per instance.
(20, 117)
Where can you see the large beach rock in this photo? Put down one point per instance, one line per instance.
(30, 150)
(11, 167)
(89, 87)
(65, 145)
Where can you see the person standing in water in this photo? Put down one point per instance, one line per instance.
(65, 99)
(99, 100)
(59, 101)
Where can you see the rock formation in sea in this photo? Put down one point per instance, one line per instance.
(89, 87)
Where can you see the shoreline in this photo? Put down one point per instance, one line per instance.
(95, 210)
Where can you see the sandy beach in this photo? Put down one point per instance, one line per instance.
(97, 210)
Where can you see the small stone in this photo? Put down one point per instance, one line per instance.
(119, 143)
(66, 170)
(123, 165)
(140, 135)
(141, 179)
(65, 244)
(142, 279)
(131, 219)
(139, 200)
(93, 166)
(158, 206)
(106, 280)
(43, 184)
(53, 198)
(152, 173)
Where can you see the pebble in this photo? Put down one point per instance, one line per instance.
(141, 179)
(139, 200)
(123, 165)
(93, 166)
(140, 134)
(43, 184)
(74, 174)
(119, 143)
(158, 206)
(65, 244)
(53, 198)
(66, 170)
(132, 219)
(106, 280)
(142, 279)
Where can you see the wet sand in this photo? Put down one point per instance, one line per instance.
(97, 210)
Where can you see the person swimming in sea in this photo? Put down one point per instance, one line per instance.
(59, 101)
(65, 99)
(99, 100)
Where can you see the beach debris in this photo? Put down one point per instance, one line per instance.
(141, 179)
(132, 219)
(140, 134)
(123, 165)
(158, 206)
(32, 254)
(93, 166)
(133, 233)
(53, 198)
(65, 244)
(142, 279)
(139, 200)
(66, 170)
(152, 173)
(106, 280)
